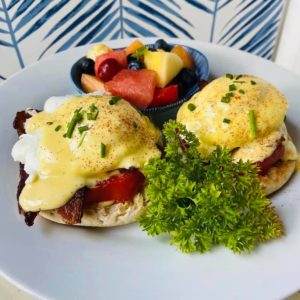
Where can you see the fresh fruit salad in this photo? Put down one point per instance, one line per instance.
(146, 76)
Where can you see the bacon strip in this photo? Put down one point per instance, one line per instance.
(72, 211)
(18, 124)
(20, 120)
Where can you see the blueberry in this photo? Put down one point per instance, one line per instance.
(135, 64)
(162, 44)
(186, 79)
(87, 65)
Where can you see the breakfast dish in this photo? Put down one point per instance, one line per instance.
(245, 114)
(81, 159)
(80, 257)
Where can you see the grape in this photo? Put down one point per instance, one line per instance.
(108, 69)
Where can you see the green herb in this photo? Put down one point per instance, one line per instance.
(92, 116)
(226, 121)
(140, 52)
(239, 81)
(232, 87)
(77, 118)
(93, 113)
(57, 128)
(134, 124)
(252, 123)
(81, 139)
(230, 76)
(114, 100)
(201, 202)
(103, 150)
(93, 107)
(227, 97)
(49, 123)
(238, 77)
(83, 128)
(191, 106)
(242, 92)
(253, 82)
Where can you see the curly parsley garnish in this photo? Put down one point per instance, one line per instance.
(205, 202)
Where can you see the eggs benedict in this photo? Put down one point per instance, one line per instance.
(81, 160)
(245, 114)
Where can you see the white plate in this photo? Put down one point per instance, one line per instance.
(62, 262)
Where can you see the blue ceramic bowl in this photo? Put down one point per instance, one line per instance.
(160, 115)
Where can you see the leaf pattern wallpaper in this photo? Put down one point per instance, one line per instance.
(33, 29)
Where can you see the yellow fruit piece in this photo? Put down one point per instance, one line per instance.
(166, 65)
(136, 44)
(97, 50)
(90, 83)
(187, 59)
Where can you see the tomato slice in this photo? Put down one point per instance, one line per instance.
(267, 163)
(121, 187)
(165, 96)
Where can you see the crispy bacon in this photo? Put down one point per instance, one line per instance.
(18, 124)
(20, 120)
(72, 211)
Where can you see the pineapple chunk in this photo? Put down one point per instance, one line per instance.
(166, 65)
(97, 50)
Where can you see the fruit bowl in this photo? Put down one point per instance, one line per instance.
(161, 113)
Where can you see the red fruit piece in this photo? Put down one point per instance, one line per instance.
(135, 86)
(269, 162)
(165, 96)
(118, 55)
(108, 69)
(121, 188)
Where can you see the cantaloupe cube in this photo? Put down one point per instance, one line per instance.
(91, 84)
(136, 44)
(187, 59)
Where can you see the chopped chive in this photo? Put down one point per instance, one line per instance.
(103, 150)
(92, 116)
(226, 121)
(229, 95)
(57, 128)
(242, 92)
(64, 135)
(232, 87)
(239, 81)
(81, 129)
(191, 106)
(253, 82)
(77, 118)
(225, 99)
(114, 100)
(93, 107)
(49, 123)
(238, 77)
(230, 76)
(134, 124)
(252, 123)
(81, 139)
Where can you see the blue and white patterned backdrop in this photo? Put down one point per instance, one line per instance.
(33, 29)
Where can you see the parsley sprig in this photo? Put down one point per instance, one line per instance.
(202, 202)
